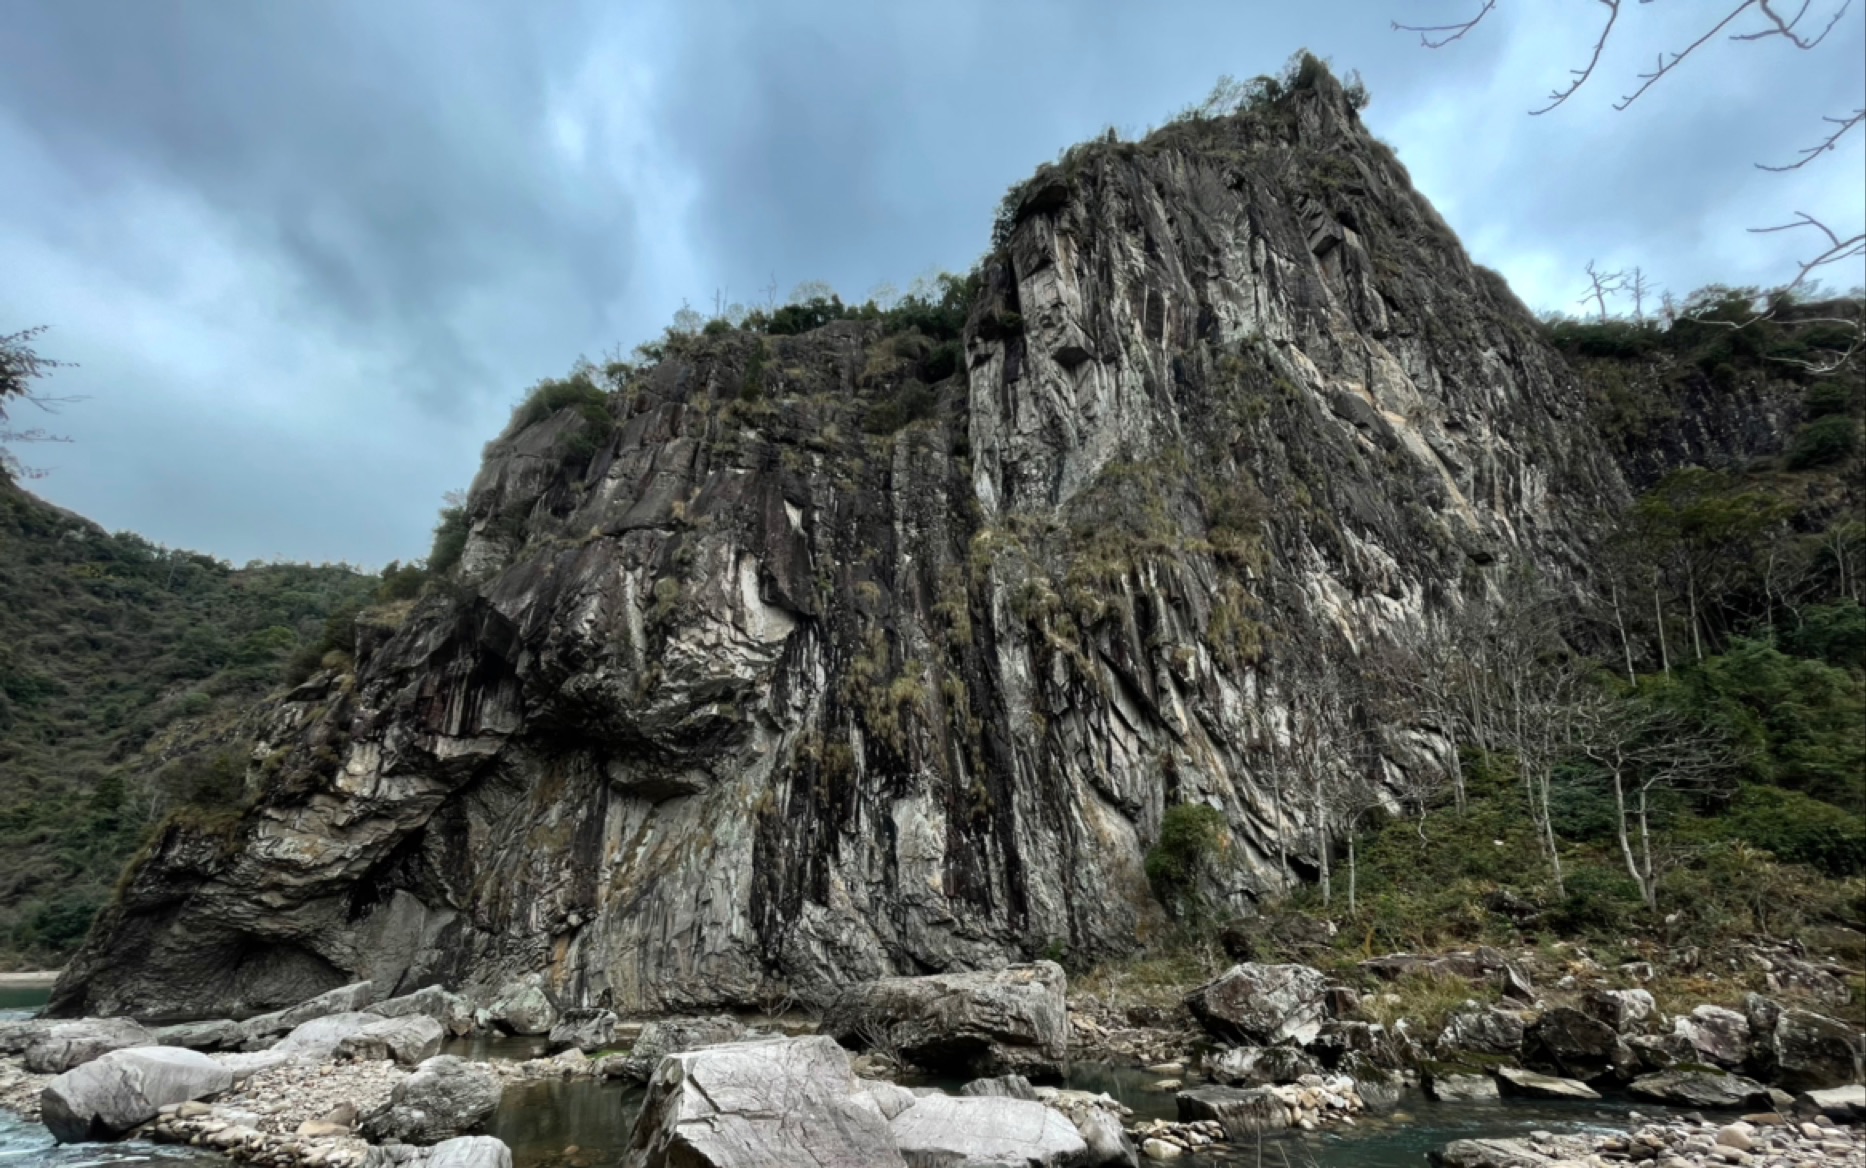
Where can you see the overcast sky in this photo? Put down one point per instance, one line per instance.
(308, 253)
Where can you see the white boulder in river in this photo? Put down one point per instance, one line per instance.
(771, 1104)
(446, 1096)
(116, 1091)
(941, 1130)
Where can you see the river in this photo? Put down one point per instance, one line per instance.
(580, 1123)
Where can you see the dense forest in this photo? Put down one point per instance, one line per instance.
(128, 672)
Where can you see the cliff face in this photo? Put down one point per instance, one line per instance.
(733, 693)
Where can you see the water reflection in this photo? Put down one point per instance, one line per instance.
(567, 1123)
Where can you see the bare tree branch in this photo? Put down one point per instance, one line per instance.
(1556, 97)
(1809, 154)
(1454, 31)
(1648, 80)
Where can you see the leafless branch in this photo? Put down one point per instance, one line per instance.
(1556, 97)
(1665, 66)
(1837, 248)
(1605, 284)
(1786, 28)
(1809, 154)
(1450, 32)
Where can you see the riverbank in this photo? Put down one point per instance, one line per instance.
(30, 979)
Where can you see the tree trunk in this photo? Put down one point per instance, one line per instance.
(1353, 904)
(1648, 883)
(1658, 612)
(1626, 644)
(1626, 843)
(1691, 595)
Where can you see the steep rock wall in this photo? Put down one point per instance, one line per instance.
(751, 699)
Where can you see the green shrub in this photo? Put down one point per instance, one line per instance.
(1798, 830)
(913, 402)
(1823, 442)
(1596, 900)
(450, 539)
(1834, 633)
(1829, 397)
(1191, 836)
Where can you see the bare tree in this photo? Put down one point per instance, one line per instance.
(20, 366)
(1640, 748)
(1767, 20)
(1603, 285)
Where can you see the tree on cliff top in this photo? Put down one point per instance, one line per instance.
(20, 366)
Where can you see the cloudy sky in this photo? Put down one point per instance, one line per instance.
(308, 253)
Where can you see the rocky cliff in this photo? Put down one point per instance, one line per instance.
(742, 686)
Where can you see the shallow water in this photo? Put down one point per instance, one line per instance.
(29, 1145)
(27, 998)
(577, 1123)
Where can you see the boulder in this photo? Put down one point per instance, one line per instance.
(1546, 1152)
(1452, 1084)
(1809, 1051)
(348, 999)
(1242, 1111)
(446, 1096)
(890, 1099)
(1718, 1035)
(1574, 1045)
(585, 1029)
(1008, 1020)
(1521, 1082)
(1715, 1090)
(762, 1104)
(116, 1091)
(1262, 1005)
(1627, 1011)
(409, 1040)
(18, 1034)
(1846, 1103)
(670, 1036)
(941, 1131)
(65, 1045)
(450, 1010)
(224, 1034)
(1108, 1143)
(1658, 1052)
(318, 1038)
(523, 1008)
(1482, 964)
(1481, 1029)
(1002, 1087)
(462, 1152)
(1363, 1043)
(1259, 1066)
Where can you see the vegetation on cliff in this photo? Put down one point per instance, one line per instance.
(127, 673)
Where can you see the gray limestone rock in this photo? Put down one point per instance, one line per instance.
(1259, 1066)
(1459, 1085)
(449, 1009)
(409, 1040)
(114, 1092)
(585, 1029)
(65, 1045)
(1482, 1030)
(1263, 1004)
(774, 1103)
(446, 1096)
(1003, 1087)
(1809, 1051)
(1521, 1082)
(1243, 1111)
(1008, 1020)
(319, 1037)
(1717, 1090)
(1718, 1035)
(1627, 1011)
(941, 1131)
(224, 1034)
(523, 1008)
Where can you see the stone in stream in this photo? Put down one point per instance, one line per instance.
(449, 1009)
(1259, 1066)
(65, 1045)
(986, 1023)
(1842, 1103)
(1570, 1043)
(1262, 1005)
(666, 1036)
(409, 1041)
(1711, 1089)
(1553, 1152)
(1001, 1087)
(114, 1092)
(318, 1038)
(764, 1104)
(1453, 1084)
(586, 1029)
(446, 1096)
(1242, 1111)
(1521, 1082)
(941, 1130)
(459, 1152)
(523, 1008)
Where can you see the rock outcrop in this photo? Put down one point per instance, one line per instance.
(1012, 1020)
(796, 660)
(114, 1092)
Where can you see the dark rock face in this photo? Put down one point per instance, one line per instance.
(733, 695)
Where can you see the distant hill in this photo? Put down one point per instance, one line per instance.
(126, 673)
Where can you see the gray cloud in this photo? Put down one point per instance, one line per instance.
(308, 255)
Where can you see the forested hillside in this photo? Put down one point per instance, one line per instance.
(126, 673)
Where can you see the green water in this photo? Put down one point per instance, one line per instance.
(20, 998)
